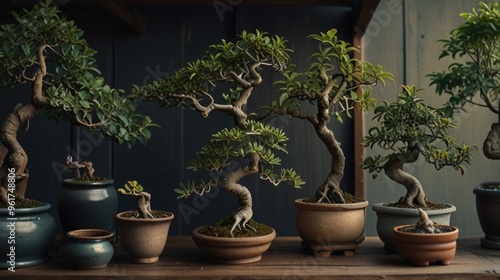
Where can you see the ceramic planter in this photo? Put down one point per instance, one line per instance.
(144, 239)
(229, 250)
(30, 232)
(389, 217)
(88, 248)
(422, 248)
(488, 207)
(88, 205)
(331, 227)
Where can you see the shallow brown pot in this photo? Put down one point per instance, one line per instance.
(229, 250)
(420, 249)
(144, 239)
(331, 227)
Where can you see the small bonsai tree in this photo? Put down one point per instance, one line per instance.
(336, 84)
(143, 199)
(41, 47)
(89, 167)
(476, 80)
(248, 147)
(409, 128)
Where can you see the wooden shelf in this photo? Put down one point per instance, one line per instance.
(286, 259)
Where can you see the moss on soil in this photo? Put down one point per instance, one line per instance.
(134, 214)
(223, 227)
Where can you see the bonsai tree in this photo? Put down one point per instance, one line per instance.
(336, 84)
(248, 147)
(409, 128)
(476, 79)
(143, 199)
(42, 48)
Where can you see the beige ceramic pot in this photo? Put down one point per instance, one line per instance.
(331, 227)
(229, 250)
(422, 248)
(144, 239)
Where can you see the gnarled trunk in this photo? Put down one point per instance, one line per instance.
(144, 206)
(491, 145)
(230, 183)
(415, 195)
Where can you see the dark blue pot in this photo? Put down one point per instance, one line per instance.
(88, 205)
(88, 248)
(26, 237)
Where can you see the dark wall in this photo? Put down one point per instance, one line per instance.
(175, 35)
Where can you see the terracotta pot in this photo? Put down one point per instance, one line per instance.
(331, 227)
(488, 207)
(422, 248)
(389, 217)
(229, 250)
(88, 248)
(144, 239)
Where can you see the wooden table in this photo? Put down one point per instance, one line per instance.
(286, 259)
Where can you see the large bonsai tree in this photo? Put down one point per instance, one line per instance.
(247, 148)
(42, 48)
(476, 79)
(409, 128)
(336, 84)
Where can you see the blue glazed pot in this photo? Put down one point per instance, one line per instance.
(88, 205)
(88, 248)
(26, 237)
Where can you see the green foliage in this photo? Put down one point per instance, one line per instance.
(408, 124)
(221, 155)
(131, 188)
(478, 41)
(72, 84)
(222, 63)
(334, 73)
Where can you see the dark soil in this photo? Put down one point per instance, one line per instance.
(491, 186)
(430, 205)
(24, 203)
(349, 198)
(89, 179)
(223, 227)
(134, 215)
(412, 229)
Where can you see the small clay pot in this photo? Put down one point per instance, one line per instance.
(420, 249)
(233, 250)
(88, 248)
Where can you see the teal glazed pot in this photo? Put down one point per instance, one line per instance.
(26, 237)
(88, 248)
(84, 205)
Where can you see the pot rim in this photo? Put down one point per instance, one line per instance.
(76, 183)
(231, 240)
(396, 230)
(381, 208)
(299, 203)
(89, 234)
(479, 189)
(169, 217)
(44, 207)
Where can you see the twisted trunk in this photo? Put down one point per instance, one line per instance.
(491, 145)
(329, 191)
(415, 195)
(244, 213)
(144, 206)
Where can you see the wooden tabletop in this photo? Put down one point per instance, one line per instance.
(286, 259)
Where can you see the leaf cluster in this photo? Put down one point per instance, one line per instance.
(222, 63)
(228, 145)
(409, 124)
(333, 72)
(72, 83)
(478, 41)
(131, 188)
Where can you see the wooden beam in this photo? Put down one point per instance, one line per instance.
(363, 16)
(124, 15)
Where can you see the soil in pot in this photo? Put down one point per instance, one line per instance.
(223, 228)
(422, 249)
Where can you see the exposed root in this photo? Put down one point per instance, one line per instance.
(242, 215)
(328, 193)
(425, 224)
